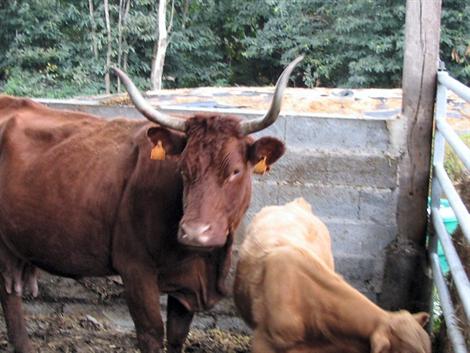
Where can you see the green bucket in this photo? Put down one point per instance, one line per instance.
(451, 224)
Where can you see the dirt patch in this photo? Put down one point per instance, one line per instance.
(91, 316)
(86, 334)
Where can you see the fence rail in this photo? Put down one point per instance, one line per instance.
(441, 184)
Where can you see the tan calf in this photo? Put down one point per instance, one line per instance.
(287, 291)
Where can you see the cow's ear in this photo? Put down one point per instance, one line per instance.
(422, 318)
(165, 142)
(264, 152)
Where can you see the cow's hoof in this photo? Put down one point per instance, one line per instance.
(174, 349)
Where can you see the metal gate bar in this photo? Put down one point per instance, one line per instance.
(441, 183)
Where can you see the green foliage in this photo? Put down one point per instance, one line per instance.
(47, 50)
(195, 56)
(348, 43)
(452, 163)
(436, 315)
(455, 39)
(46, 46)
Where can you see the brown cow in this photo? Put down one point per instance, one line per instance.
(81, 196)
(287, 291)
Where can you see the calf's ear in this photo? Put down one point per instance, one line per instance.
(379, 343)
(422, 318)
(264, 152)
(165, 142)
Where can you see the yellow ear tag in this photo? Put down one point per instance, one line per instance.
(261, 167)
(158, 152)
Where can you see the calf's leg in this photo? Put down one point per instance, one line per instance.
(260, 343)
(13, 313)
(143, 299)
(178, 322)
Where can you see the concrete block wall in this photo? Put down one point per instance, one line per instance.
(347, 168)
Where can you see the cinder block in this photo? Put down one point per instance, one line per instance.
(365, 273)
(337, 133)
(347, 236)
(264, 192)
(339, 168)
(360, 238)
(378, 205)
(326, 201)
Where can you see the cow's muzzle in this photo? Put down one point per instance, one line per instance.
(200, 235)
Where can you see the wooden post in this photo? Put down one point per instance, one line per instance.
(406, 277)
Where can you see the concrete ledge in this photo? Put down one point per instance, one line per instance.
(304, 130)
(359, 134)
(90, 105)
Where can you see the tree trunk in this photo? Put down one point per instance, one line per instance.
(119, 41)
(159, 50)
(107, 81)
(185, 14)
(93, 29)
(125, 46)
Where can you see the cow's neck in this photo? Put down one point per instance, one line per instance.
(341, 309)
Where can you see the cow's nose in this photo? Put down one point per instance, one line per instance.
(195, 230)
(199, 235)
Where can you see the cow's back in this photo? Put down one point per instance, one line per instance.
(62, 175)
(275, 229)
(293, 225)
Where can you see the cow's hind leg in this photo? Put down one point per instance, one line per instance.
(13, 313)
(178, 322)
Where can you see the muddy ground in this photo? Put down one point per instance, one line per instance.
(91, 316)
(78, 335)
(85, 334)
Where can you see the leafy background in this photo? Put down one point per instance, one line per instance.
(46, 45)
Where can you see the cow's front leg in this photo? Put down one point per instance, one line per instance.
(143, 299)
(178, 321)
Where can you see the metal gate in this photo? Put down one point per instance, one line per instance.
(441, 184)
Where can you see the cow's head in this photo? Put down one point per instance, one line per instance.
(401, 332)
(216, 157)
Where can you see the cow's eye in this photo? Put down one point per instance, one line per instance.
(235, 173)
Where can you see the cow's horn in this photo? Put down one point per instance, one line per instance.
(270, 117)
(146, 108)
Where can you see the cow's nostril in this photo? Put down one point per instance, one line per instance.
(204, 228)
(195, 229)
